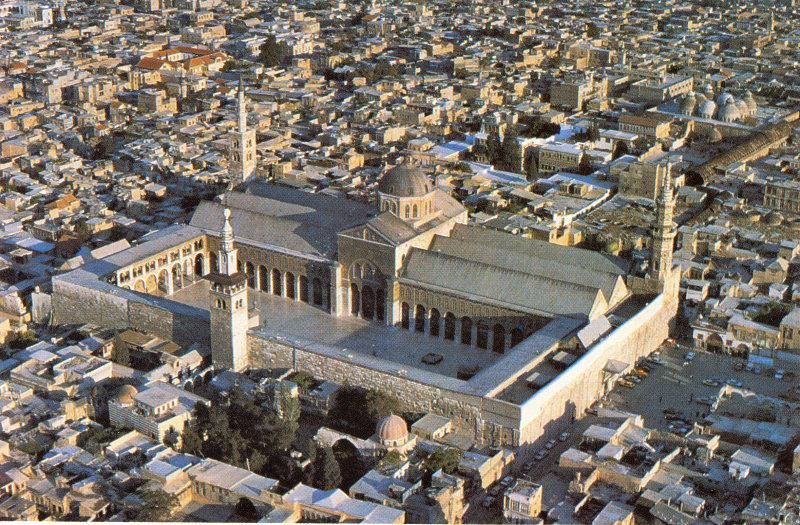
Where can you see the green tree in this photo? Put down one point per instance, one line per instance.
(22, 340)
(246, 510)
(493, 147)
(509, 151)
(157, 506)
(191, 442)
(272, 53)
(592, 31)
(359, 410)
(121, 355)
(444, 458)
(326, 470)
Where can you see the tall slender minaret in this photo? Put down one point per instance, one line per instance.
(229, 317)
(242, 145)
(664, 231)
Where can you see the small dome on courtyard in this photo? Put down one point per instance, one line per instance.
(404, 181)
(392, 429)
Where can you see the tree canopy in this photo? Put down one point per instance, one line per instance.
(272, 53)
(358, 410)
(327, 474)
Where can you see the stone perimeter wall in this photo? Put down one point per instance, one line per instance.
(551, 409)
(74, 303)
(469, 412)
(494, 422)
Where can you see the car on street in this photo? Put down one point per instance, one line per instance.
(734, 382)
(540, 455)
(487, 502)
(750, 366)
(626, 383)
(507, 482)
(550, 444)
(494, 491)
(564, 436)
(739, 366)
(710, 382)
(528, 466)
(757, 370)
(690, 356)
(779, 374)
(432, 359)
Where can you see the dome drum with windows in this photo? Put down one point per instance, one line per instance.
(405, 191)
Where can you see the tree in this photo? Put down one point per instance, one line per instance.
(509, 151)
(592, 31)
(22, 340)
(585, 165)
(620, 149)
(246, 510)
(359, 410)
(444, 458)
(157, 506)
(493, 147)
(191, 442)
(326, 470)
(272, 52)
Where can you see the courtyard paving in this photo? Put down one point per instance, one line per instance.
(299, 321)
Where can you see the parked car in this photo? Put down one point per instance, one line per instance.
(528, 466)
(564, 436)
(540, 455)
(626, 383)
(507, 481)
(690, 356)
(779, 374)
(432, 359)
(640, 372)
(750, 366)
(550, 444)
(710, 382)
(757, 370)
(488, 502)
(494, 491)
(739, 366)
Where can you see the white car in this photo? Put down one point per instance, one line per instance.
(550, 444)
(540, 455)
(779, 374)
(564, 436)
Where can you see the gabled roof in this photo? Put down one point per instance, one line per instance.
(504, 287)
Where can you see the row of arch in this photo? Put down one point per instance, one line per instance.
(286, 284)
(464, 329)
(168, 281)
(368, 303)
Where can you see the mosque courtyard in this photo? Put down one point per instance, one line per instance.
(303, 323)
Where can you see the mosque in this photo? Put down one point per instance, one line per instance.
(269, 277)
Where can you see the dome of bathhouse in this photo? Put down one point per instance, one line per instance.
(688, 104)
(707, 109)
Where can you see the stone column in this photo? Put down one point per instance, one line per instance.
(337, 299)
(411, 321)
(296, 288)
(489, 340)
(256, 278)
(457, 331)
(394, 309)
(473, 340)
(427, 328)
(170, 287)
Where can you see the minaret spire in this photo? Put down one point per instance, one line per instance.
(664, 230)
(227, 251)
(242, 107)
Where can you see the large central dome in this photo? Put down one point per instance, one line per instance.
(404, 181)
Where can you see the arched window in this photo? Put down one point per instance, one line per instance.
(290, 285)
(263, 278)
(317, 291)
(277, 286)
(466, 330)
(499, 339)
(355, 299)
(435, 318)
(408, 211)
(415, 211)
(482, 340)
(449, 326)
(419, 318)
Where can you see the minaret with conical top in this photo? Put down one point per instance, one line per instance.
(664, 231)
(229, 317)
(242, 145)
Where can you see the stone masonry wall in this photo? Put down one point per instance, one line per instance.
(467, 411)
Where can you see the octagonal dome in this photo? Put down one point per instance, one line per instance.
(404, 181)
